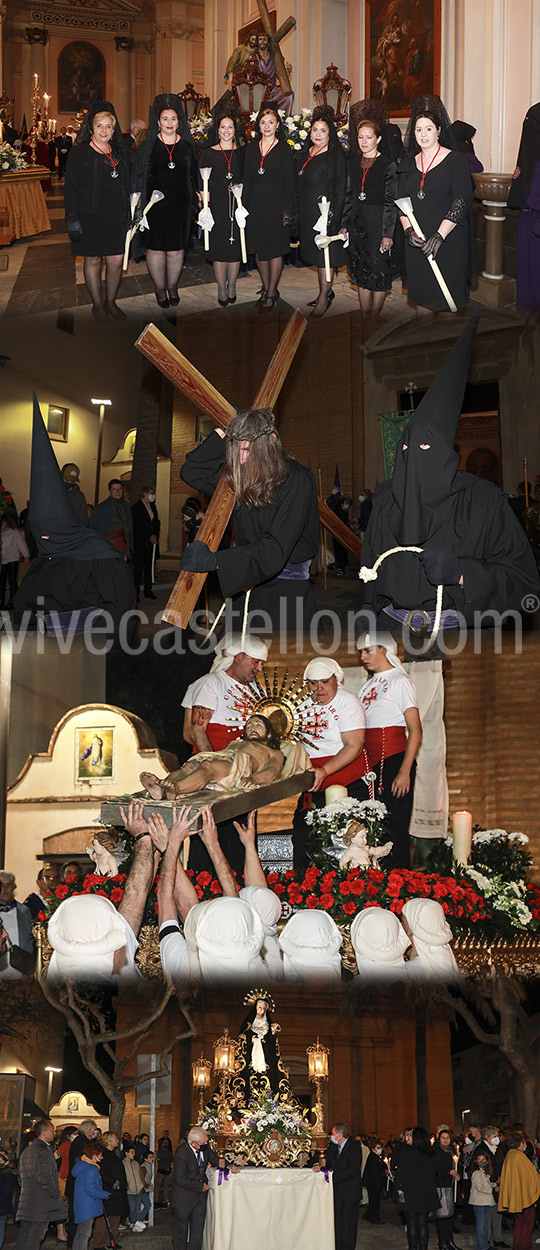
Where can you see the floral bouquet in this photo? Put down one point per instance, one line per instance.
(265, 1114)
(492, 851)
(209, 1120)
(298, 126)
(328, 825)
(10, 159)
(200, 129)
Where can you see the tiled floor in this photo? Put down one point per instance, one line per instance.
(42, 276)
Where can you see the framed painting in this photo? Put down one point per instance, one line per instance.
(81, 76)
(403, 52)
(57, 423)
(94, 754)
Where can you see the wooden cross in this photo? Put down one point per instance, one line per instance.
(161, 353)
(275, 36)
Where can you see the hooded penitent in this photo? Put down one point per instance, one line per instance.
(76, 568)
(528, 155)
(463, 523)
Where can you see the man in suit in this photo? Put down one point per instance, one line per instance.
(64, 143)
(344, 1161)
(15, 927)
(47, 879)
(189, 1188)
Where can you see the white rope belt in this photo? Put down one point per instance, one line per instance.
(370, 575)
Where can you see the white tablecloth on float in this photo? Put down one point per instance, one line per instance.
(270, 1208)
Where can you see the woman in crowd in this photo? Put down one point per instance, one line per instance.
(374, 1179)
(445, 1175)
(269, 198)
(436, 178)
(519, 1189)
(89, 1193)
(321, 171)
(224, 156)
(96, 198)
(166, 162)
(370, 212)
(415, 1188)
(146, 527)
(113, 1178)
(164, 1160)
(481, 1197)
(525, 195)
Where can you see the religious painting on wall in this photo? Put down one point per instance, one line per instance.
(81, 76)
(403, 43)
(94, 754)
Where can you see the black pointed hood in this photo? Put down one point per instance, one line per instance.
(55, 529)
(426, 469)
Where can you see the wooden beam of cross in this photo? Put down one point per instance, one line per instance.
(161, 353)
(275, 36)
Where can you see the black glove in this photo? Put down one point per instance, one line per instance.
(198, 558)
(432, 245)
(441, 567)
(412, 238)
(75, 230)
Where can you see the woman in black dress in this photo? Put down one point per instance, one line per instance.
(96, 198)
(269, 198)
(415, 1188)
(167, 162)
(370, 214)
(322, 172)
(436, 178)
(225, 157)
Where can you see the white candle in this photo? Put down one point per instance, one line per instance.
(462, 836)
(333, 793)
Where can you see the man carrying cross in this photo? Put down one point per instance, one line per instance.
(275, 521)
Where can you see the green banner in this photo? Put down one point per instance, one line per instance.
(392, 427)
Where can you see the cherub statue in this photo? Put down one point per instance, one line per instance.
(252, 760)
(101, 852)
(358, 853)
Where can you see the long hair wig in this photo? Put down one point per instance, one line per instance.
(255, 482)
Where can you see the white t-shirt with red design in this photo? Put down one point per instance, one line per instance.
(385, 698)
(225, 696)
(342, 715)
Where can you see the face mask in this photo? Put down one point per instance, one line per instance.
(152, 498)
(378, 1150)
(495, 1141)
(346, 506)
(482, 1165)
(335, 1140)
(468, 1140)
(361, 498)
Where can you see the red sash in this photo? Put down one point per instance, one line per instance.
(345, 776)
(394, 743)
(219, 736)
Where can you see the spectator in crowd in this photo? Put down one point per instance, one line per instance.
(71, 473)
(135, 1179)
(519, 1189)
(492, 1143)
(164, 1162)
(481, 1196)
(40, 1202)
(373, 1179)
(141, 1146)
(8, 1180)
(46, 880)
(445, 1175)
(15, 932)
(147, 1169)
(113, 1178)
(88, 1131)
(13, 548)
(112, 519)
(146, 526)
(415, 1188)
(89, 1193)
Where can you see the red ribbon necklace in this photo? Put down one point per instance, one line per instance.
(426, 171)
(317, 152)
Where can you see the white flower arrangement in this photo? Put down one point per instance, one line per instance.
(266, 1114)
(503, 896)
(10, 159)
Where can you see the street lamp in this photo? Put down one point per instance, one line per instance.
(466, 1111)
(51, 1072)
(102, 404)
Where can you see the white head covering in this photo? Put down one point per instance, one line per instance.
(310, 943)
(227, 935)
(233, 645)
(268, 907)
(85, 932)
(432, 936)
(323, 666)
(380, 638)
(379, 944)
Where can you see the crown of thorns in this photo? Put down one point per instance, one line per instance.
(245, 437)
(257, 995)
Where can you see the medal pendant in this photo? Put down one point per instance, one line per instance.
(300, 172)
(362, 196)
(420, 195)
(172, 165)
(114, 174)
(261, 170)
(228, 176)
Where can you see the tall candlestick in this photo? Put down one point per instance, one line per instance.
(462, 836)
